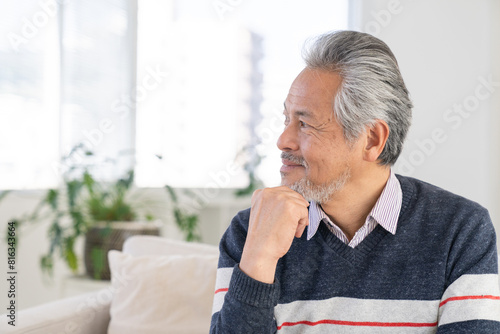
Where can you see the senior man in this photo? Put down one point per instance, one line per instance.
(344, 245)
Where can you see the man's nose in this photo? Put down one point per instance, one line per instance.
(288, 140)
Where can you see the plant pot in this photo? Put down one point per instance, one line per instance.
(105, 236)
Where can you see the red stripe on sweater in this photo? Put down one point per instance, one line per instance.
(359, 323)
(220, 290)
(469, 297)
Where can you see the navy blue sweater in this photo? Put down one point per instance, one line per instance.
(438, 273)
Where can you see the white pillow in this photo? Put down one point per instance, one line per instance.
(139, 245)
(161, 294)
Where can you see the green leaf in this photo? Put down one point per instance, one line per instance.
(106, 231)
(171, 192)
(55, 236)
(98, 256)
(127, 182)
(47, 264)
(51, 198)
(73, 189)
(69, 254)
(79, 223)
(88, 182)
(187, 223)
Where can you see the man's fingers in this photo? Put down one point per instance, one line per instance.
(277, 195)
(295, 195)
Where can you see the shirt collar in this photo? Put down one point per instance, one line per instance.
(385, 212)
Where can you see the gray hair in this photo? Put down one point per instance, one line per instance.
(372, 86)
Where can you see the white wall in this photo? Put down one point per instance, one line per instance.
(31, 288)
(446, 50)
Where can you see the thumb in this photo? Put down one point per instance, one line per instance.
(301, 227)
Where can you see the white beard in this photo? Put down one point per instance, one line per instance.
(320, 193)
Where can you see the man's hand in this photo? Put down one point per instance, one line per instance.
(277, 216)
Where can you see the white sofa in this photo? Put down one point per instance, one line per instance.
(158, 286)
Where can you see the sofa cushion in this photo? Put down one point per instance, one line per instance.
(161, 293)
(85, 313)
(139, 245)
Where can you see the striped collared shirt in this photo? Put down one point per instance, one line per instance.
(385, 212)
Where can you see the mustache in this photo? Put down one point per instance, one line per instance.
(293, 158)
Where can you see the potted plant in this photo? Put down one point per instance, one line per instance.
(103, 212)
(113, 219)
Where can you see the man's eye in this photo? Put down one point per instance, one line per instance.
(302, 124)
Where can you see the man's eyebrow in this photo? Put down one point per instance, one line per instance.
(303, 113)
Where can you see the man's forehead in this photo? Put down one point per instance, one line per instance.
(315, 81)
(312, 93)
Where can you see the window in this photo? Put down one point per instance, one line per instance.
(97, 82)
(67, 66)
(29, 110)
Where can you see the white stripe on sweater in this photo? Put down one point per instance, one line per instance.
(343, 312)
(471, 297)
(221, 286)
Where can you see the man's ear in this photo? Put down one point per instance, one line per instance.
(376, 137)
